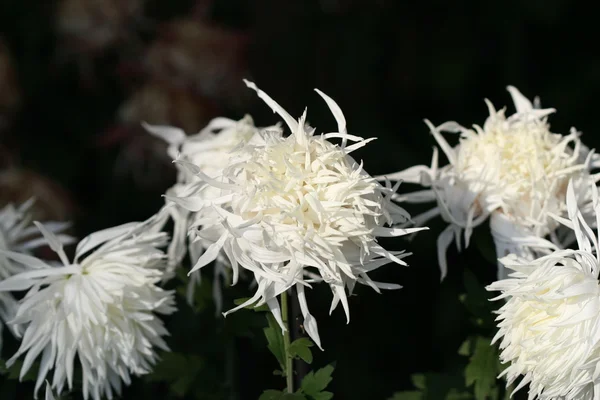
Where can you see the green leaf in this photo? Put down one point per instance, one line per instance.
(242, 300)
(300, 348)
(465, 348)
(279, 395)
(178, 370)
(418, 380)
(271, 395)
(275, 340)
(483, 369)
(323, 396)
(445, 386)
(456, 395)
(293, 396)
(315, 382)
(304, 341)
(408, 395)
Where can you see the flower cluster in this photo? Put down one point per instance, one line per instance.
(513, 171)
(539, 194)
(292, 210)
(99, 308)
(286, 205)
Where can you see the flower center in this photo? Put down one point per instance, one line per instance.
(519, 165)
(306, 188)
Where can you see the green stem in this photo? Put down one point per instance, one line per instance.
(289, 369)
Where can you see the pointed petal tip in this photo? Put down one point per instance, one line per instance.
(49, 394)
(516, 93)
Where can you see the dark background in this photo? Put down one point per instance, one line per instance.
(389, 64)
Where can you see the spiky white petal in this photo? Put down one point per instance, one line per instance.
(49, 395)
(99, 309)
(18, 234)
(513, 170)
(287, 204)
(549, 327)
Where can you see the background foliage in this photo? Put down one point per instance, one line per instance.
(389, 64)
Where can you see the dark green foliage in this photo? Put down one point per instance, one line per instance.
(483, 368)
(178, 371)
(433, 386)
(275, 341)
(315, 383)
(300, 348)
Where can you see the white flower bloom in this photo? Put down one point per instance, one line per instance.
(512, 170)
(209, 150)
(18, 234)
(99, 308)
(286, 204)
(550, 324)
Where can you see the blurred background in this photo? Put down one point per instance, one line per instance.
(78, 76)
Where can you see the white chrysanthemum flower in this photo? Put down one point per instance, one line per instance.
(100, 308)
(512, 170)
(18, 234)
(209, 150)
(550, 324)
(291, 203)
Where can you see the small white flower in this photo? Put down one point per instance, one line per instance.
(512, 170)
(550, 324)
(287, 204)
(209, 150)
(99, 308)
(18, 234)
